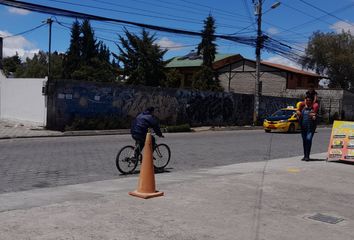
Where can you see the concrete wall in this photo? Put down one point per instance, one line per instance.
(88, 100)
(21, 99)
(348, 105)
(334, 103)
(242, 79)
(75, 100)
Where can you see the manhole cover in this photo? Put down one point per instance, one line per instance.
(326, 218)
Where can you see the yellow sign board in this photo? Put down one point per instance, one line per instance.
(341, 145)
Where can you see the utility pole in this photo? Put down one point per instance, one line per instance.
(258, 12)
(49, 21)
(48, 89)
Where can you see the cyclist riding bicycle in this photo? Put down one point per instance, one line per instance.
(140, 126)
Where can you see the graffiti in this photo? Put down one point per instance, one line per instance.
(173, 106)
(268, 105)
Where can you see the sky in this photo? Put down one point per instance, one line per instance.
(291, 23)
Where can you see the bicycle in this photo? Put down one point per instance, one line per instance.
(126, 161)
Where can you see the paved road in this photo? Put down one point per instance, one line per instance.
(46, 162)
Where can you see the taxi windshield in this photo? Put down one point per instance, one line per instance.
(283, 113)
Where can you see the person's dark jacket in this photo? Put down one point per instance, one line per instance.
(143, 122)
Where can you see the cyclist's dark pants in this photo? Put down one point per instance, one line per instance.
(140, 141)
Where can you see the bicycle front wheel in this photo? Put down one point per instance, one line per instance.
(161, 155)
(125, 160)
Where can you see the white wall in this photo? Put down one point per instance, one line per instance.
(21, 99)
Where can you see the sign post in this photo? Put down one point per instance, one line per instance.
(341, 145)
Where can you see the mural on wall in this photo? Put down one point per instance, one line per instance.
(268, 105)
(75, 101)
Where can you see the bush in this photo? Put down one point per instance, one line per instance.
(179, 128)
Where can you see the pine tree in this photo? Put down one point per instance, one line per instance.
(142, 59)
(206, 78)
(207, 47)
(89, 47)
(86, 59)
(73, 55)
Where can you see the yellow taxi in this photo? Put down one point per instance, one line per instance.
(283, 120)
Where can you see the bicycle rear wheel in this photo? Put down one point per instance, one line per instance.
(162, 156)
(125, 160)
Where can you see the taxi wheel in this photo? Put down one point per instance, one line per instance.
(267, 130)
(291, 128)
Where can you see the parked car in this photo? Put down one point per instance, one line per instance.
(283, 120)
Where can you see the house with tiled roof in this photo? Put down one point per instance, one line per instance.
(237, 74)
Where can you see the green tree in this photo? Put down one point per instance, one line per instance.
(89, 47)
(57, 65)
(174, 79)
(10, 64)
(332, 54)
(142, 59)
(37, 67)
(207, 47)
(87, 59)
(103, 52)
(73, 54)
(206, 78)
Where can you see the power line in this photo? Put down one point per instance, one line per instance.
(74, 14)
(169, 7)
(327, 13)
(126, 12)
(172, 18)
(249, 13)
(249, 41)
(216, 9)
(304, 13)
(27, 31)
(318, 18)
(113, 31)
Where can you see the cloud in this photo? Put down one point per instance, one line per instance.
(286, 62)
(169, 44)
(18, 11)
(18, 44)
(273, 31)
(340, 26)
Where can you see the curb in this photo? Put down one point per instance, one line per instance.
(127, 131)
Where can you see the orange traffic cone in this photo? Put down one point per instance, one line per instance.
(146, 186)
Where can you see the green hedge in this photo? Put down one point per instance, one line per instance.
(105, 123)
(178, 128)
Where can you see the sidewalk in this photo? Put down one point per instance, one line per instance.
(13, 129)
(270, 200)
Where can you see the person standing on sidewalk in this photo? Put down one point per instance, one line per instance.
(312, 94)
(307, 120)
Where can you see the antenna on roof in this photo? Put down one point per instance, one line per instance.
(192, 55)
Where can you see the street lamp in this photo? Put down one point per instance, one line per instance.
(259, 43)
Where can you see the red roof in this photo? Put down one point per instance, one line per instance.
(290, 69)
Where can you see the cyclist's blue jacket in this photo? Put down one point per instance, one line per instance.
(143, 122)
